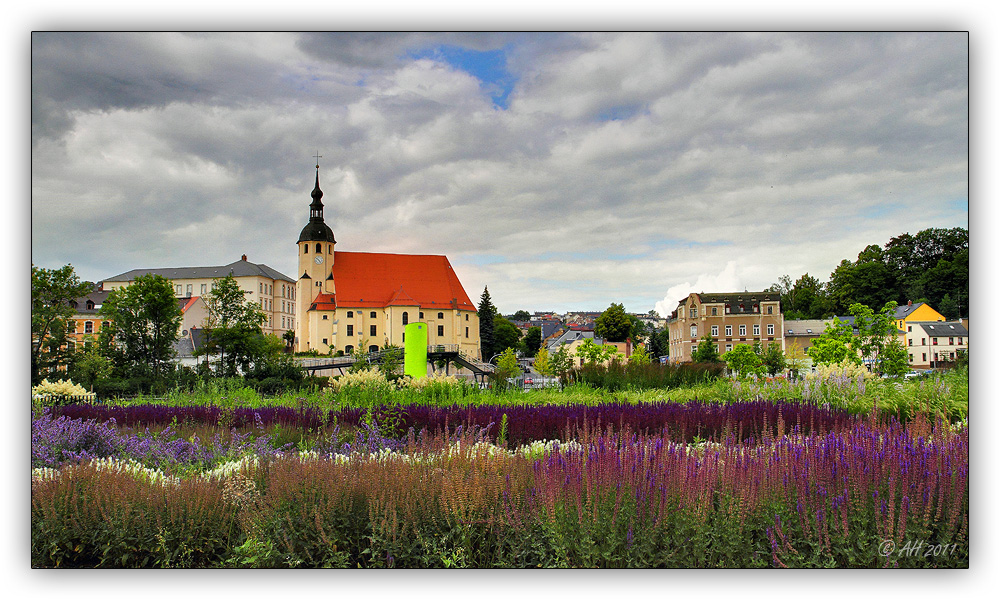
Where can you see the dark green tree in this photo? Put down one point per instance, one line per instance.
(532, 341)
(487, 313)
(144, 322)
(659, 343)
(773, 359)
(521, 315)
(614, 324)
(506, 335)
(706, 352)
(51, 293)
(233, 326)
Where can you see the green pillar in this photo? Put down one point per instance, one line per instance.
(415, 350)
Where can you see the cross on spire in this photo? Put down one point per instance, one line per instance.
(317, 156)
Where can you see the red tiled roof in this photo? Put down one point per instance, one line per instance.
(366, 279)
(324, 302)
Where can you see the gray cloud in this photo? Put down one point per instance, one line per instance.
(624, 166)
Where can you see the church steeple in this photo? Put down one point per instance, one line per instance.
(317, 230)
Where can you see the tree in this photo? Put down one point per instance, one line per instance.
(773, 359)
(639, 357)
(833, 346)
(390, 360)
(507, 367)
(521, 315)
(487, 313)
(744, 362)
(233, 325)
(145, 319)
(505, 334)
(289, 337)
(706, 352)
(596, 354)
(562, 363)
(89, 367)
(659, 343)
(542, 363)
(52, 290)
(614, 324)
(532, 341)
(876, 333)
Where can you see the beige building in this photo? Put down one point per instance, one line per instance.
(929, 344)
(271, 290)
(350, 300)
(729, 318)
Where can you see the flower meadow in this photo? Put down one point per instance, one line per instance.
(753, 482)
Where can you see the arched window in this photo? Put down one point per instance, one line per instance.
(330, 246)
(348, 349)
(406, 318)
(373, 348)
(88, 327)
(440, 315)
(305, 249)
(694, 331)
(90, 305)
(319, 248)
(350, 314)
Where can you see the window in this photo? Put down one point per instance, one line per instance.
(729, 347)
(348, 349)
(466, 329)
(372, 314)
(326, 317)
(178, 288)
(727, 309)
(466, 317)
(729, 330)
(756, 308)
(951, 341)
(282, 322)
(421, 315)
(373, 348)
(350, 314)
(440, 330)
(770, 310)
(324, 340)
(910, 342)
(260, 287)
(951, 355)
(90, 305)
(909, 329)
(350, 331)
(756, 329)
(924, 354)
(694, 331)
(715, 330)
(373, 330)
(440, 315)
(959, 341)
(406, 318)
(911, 358)
(305, 249)
(204, 288)
(715, 311)
(189, 290)
(88, 327)
(693, 312)
(934, 341)
(319, 248)
(923, 342)
(743, 329)
(770, 329)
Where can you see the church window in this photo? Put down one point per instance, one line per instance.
(441, 330)
(326, 317)
(466, 318)
(350, 331)
(421, 316)
(372, 314)
(350, 314)
(406, 318)
(319, 248)
(331, 248)
(324, 340)
(373, 329)
(373, 348)
(348, 349)
(440, 315)
(305, 249)
(467, 330)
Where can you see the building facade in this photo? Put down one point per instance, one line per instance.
(273, 292)
(350, 300)
(935, 343)
(729, 318)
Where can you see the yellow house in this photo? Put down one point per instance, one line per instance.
(350, 300)
(912, 313)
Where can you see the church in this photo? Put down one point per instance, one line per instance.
(349, 300)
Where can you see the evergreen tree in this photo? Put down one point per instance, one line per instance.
(487, 313)
(532, 341)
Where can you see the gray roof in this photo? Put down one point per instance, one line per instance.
(571, 336)
(906, 309)
(943, 328)
(796, 327)
(97, 297)
(240, 268)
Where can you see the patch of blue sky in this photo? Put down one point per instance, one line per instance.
(488, 66)
(620, 113)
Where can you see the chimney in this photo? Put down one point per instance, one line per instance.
(244, 258)
(908, 302)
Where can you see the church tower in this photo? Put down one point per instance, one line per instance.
(315, 270)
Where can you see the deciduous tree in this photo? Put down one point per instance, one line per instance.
(614, 324)
(51, 293)
(144, 321)
(233, 325)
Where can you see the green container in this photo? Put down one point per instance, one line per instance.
(415, 350)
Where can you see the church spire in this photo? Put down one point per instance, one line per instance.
(316, 229)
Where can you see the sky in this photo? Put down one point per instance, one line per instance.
(565, 171)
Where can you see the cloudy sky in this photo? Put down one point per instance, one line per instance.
(565, 171)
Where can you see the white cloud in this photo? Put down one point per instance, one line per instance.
(726, 280)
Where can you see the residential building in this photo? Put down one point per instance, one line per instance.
(85, 324)
(935, 343)
(911, 313)
(730, 318)
(800, 333)
(273, 292)
(347, 300)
